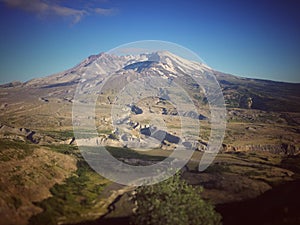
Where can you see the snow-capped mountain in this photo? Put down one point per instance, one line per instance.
(237, 91)
(104, 64)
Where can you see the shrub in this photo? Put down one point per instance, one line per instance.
(172, 201)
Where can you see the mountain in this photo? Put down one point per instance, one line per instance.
(261, 94)
(47, 102)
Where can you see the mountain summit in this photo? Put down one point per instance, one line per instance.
(238, 92)
(104, 64)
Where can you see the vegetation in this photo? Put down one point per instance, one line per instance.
(218, 168)
(65, 149)
(173, 201)
(20, 150)
(78, 197)
(12, 144)
(72, 200)
(63, 135)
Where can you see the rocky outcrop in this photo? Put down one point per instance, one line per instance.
(194, 115)
(135, 109)
(98, 141)
(160, 135)
(24, 134)
(172, 112)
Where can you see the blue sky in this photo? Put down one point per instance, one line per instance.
(257, 39)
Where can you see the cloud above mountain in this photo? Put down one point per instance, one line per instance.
(44, 8)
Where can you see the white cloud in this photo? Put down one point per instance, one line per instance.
(45, 8)
(105, 12)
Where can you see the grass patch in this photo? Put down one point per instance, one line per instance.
(10, 149)
(104, 131)
(61, 135)
(65, 149)
(10, 144)
(218, 168)
(74, 200)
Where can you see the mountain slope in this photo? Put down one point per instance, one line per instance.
(262, 94)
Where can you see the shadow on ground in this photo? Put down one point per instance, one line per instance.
(108, 221)
(277, 206)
